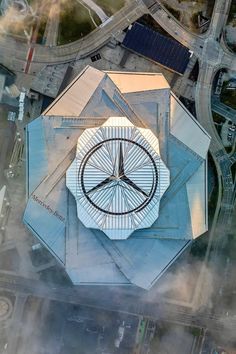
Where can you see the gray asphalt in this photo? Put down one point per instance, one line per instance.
(7, 135)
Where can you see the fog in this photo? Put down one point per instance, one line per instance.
(210, 301)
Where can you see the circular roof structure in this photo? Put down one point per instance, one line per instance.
(117, 178)
(120, 188)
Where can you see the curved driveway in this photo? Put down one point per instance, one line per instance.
(13, 53)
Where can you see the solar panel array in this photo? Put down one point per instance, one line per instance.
(157, 47)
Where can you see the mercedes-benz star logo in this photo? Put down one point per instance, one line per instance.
(127, 173)
(118, 175)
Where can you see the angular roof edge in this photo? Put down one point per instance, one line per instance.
(138, 81)
(66, 103)
(192, 117)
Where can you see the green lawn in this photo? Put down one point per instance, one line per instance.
(75, 22)
(110, 6)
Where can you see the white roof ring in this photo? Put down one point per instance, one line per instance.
(117, 178)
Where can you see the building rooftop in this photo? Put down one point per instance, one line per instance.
(87, 253)
(157, 47)
(117, 178)
(138, 82)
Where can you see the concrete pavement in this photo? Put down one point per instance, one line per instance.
(51, 30)
(99, 11)
(171, 25)
(14, 53)
(203, 93)
(196, 42)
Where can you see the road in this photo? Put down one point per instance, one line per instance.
(212, 54)
(219, 18)
(200, 44)
(13, 53)
(210, 63)
(108, 300)
(167, 21)
(51, 30)
(223, 164)
(32, 41)
(7, 135)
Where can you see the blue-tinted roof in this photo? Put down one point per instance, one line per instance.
(89, 256)
(37, 154)
(157, 47)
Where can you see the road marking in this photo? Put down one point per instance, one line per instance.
(29, 58)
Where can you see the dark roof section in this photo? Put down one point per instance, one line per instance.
(157, 47)
(66, 80)
(10, 76)
(46, 102)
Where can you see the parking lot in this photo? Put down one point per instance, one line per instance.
(228, 132)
